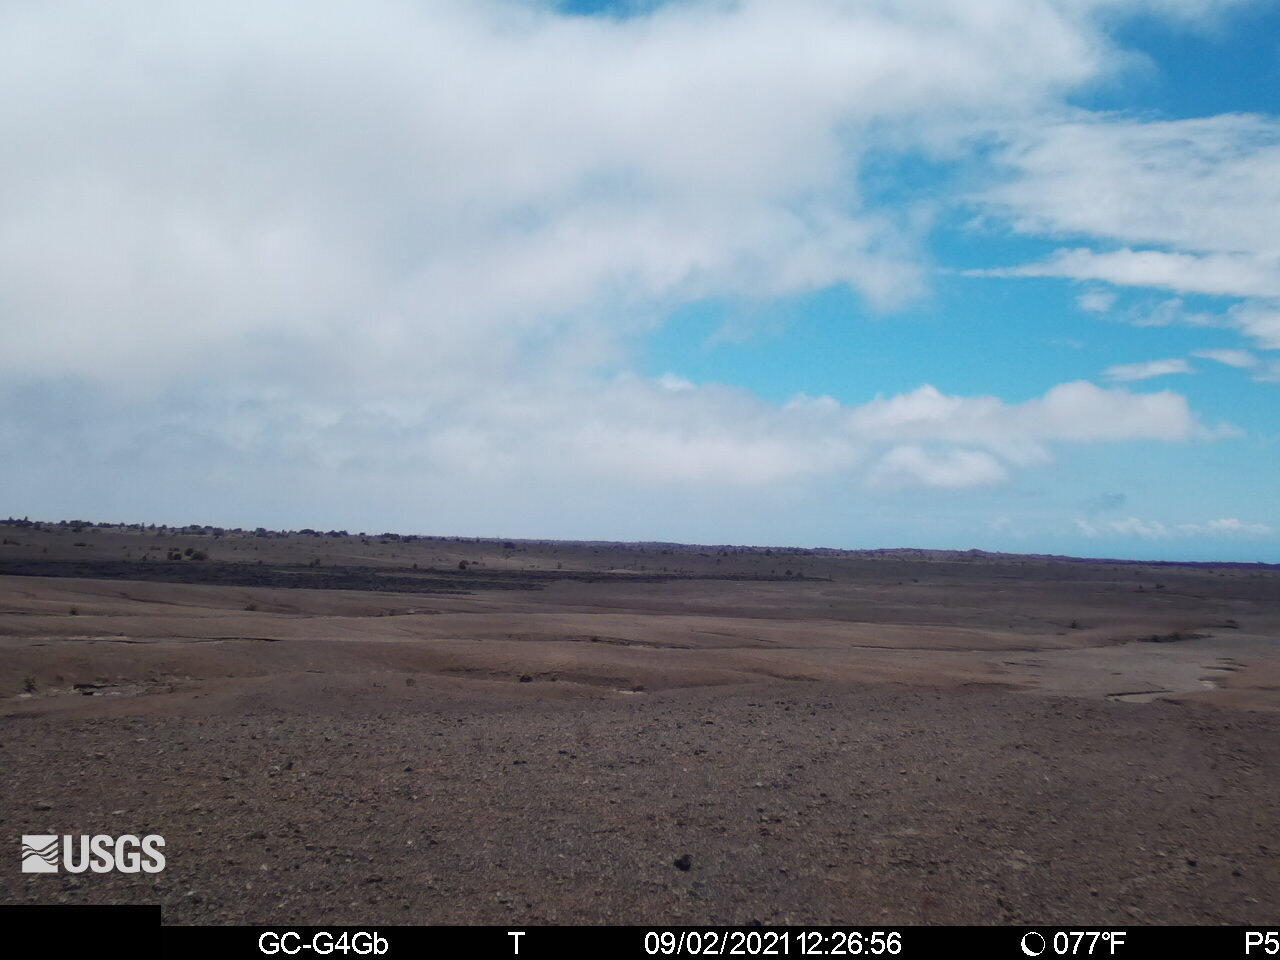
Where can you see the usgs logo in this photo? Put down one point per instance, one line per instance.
(41, 853)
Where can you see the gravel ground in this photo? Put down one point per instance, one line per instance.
(468, 801)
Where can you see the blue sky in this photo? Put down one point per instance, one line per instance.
(821, 272)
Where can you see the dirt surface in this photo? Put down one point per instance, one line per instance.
(829, 737)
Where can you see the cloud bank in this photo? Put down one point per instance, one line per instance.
(1181, 205)
(410, 248)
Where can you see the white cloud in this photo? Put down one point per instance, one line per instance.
(951, 469)
(1242, 359)
(1229, 526)
(674, 383)
(1132, 526)
(644, 430)
(1147, 369)
(1260, 321)
(439, 188)
(408, 248)
(1073, 412)
(623, 435)
(1155, 530)
(433, 184)
(1190, 203)
(1096, 301)
(1201, 186)
(1224, 274)
(1128, 527)
(1173, 312)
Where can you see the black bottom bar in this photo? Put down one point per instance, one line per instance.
(537, 943)
(84, 931)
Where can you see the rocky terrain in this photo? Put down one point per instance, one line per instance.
(346, 728)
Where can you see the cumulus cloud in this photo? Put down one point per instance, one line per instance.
(619, 436)
(404, 252)
(952, 469)
(644, 430)
(923, 438)
(1076, 412)
(434, 181)
(1146, 369)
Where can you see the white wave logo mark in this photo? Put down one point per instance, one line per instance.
(99, 853)
(40, 853)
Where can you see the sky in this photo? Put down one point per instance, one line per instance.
(846, 273)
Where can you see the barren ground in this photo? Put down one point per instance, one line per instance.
(335, 729)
